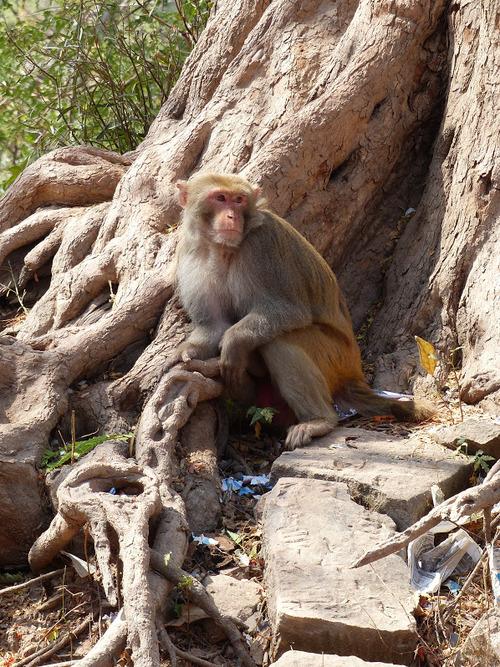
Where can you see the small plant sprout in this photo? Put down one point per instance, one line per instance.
(260, 416)
(12, 288)
(481, 462)
(456, 377)
(461, 447)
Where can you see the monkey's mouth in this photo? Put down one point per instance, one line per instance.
(229, 236)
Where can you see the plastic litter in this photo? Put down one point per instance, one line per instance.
(494, 560)
(242, 485)
(82, 568)
(201, 539)
(430, 566)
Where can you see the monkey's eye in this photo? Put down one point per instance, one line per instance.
(220, 197)
(238, 199)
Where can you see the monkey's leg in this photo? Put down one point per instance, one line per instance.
(303, 387)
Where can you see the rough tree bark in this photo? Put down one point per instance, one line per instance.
(345, 114)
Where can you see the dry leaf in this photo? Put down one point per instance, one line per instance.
(427, 355)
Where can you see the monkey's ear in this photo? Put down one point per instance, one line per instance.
(183, 193)
(256, 190)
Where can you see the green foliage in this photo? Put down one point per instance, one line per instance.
(480, 461)
(237, 539)
(184, 584)
(12, 578)
(260, 416)
(81, 447)
(87, 72)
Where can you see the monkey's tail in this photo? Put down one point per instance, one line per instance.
(358, 395)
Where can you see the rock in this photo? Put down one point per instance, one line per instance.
(483, 640)
(301, 659)
(491, 403)
(387, 474)
(478, 435)
(22, 512)
(312, 533)
(238, 597)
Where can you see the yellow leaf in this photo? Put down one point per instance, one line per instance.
(427, 355)
(258, 428)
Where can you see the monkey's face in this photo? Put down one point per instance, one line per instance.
(227, 216)
(220, 207)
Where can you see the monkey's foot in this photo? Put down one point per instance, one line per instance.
(301, 435)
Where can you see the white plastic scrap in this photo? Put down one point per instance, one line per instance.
(201, 539)
(431, 566)
(494, 559)
(81, 567)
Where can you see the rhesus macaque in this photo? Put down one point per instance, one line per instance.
(261, 295)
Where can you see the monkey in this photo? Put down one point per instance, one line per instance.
(260, 295)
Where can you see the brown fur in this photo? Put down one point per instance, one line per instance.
(267, 290)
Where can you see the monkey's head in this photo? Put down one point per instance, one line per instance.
(220, 206)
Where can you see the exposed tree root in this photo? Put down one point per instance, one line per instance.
(73, 176)
(30, 582)
(328, 119)
(199, 596)
(118, 496)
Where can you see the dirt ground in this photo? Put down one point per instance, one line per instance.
(60, 618)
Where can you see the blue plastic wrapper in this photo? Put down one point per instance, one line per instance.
(242, 485)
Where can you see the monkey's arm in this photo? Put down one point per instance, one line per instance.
(202, 343)
(257, 328)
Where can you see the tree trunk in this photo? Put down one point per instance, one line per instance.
(443, 283)
(345, 115)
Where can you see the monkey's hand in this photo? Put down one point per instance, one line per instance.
(233, 368)
(183, 353)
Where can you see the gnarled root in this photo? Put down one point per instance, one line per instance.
(125, 497)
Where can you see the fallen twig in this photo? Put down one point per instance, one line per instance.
(193, 658)
(27, 584)
(42, 654)
(454, 509)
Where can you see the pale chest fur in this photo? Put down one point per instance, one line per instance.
(210, 286)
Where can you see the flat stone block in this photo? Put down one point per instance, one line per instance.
(478, 435)
(301, 659)
(387, 474)
(482, 646)
(312, 533)
(238, 597)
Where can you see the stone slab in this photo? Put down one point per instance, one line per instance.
(238, 597)
(312, 532)
(478, 435)
(387, 474)
(482, 646)
(301, 659)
